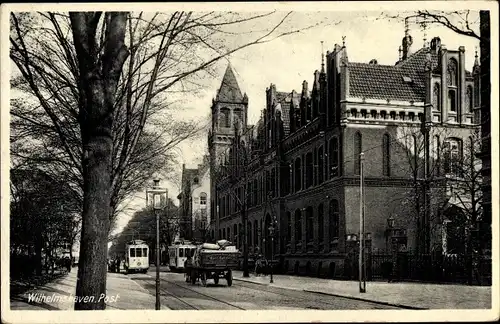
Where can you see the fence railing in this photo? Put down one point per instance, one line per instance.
(434, 267)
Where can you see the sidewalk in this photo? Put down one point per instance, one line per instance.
(403, 294)
(122, 293)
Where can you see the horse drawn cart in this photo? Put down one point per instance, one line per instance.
(212, 261)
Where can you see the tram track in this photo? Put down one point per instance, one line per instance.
(204, 295)
(181, 303)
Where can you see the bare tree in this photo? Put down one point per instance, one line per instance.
(99, 77)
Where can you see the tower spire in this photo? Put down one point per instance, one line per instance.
(322, 58)
(229, 90)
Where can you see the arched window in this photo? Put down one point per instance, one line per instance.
(273, 182)
(333, 228)
(452, 73)
(452, 100)
(224, 234)
(229, 238)
(386, 155)
(321, 224)
(452, 80)
(320, 164)
(256, 232)
(309, 170)
(334, 157)
(288, 227)
(298, 226)
(309, 224)
(468, 100)
(255, 192)
(203, 198)
(220, 234)
(437, 152)
(298, 175)
(225, 117)
(358, 145)
(238, 115)
(436, 97)
(452, 153)
(249, 233)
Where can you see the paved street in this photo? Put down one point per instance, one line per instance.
(137, 291)
(179, 295)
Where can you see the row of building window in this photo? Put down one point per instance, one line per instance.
(302, 221)
(452, 99)
(312, 173)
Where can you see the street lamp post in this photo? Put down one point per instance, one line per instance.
(157, 192)
(271, 233)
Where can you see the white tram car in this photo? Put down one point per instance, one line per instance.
(178, 254)
(136, 256)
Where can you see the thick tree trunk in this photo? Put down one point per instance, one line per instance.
(93, 246)
(100, 70)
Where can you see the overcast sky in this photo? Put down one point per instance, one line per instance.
(288, 61)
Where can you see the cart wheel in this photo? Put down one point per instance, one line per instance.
(204, 279)
(229, 278)
(216, 279)
(193, 278)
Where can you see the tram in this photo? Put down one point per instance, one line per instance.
(178, 254)
(136, 256)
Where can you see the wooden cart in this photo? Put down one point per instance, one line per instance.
(211, 264)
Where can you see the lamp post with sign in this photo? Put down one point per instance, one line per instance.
(160, 196)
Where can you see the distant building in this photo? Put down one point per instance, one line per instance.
(299, 167)
(194, 202)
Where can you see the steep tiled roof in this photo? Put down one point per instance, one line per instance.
(383, 82)
(229, 90)
(387, 82)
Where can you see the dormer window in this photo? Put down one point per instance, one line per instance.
(383, 114)
(363, 113)
(392, 114)
(411, 116)
(407, 79)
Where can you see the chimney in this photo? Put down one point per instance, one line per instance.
(435, 45)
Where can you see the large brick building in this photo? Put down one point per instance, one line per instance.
(299, 166)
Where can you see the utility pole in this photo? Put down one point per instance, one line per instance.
(426, 124)
(362, 281)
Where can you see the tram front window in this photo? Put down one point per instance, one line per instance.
(138, 253)
(181, 253)
(145, 252)
(132, 253)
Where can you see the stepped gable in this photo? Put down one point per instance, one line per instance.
(229, 90)
(284, 98)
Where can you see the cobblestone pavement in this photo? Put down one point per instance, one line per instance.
(411, 295)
